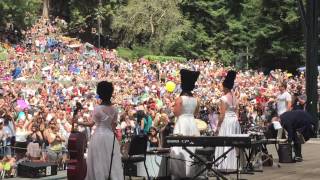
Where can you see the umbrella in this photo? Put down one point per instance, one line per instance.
(302, 69)
(22, 104)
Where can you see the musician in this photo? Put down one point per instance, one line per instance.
(300, 127)
(185, 108)
(100, 148)
(228, 122)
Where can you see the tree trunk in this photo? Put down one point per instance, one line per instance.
(151, 24)
(45, 11)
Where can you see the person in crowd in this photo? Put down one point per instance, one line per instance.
(9, 129)
(56, 149)
(8, 165)
(21, 133)
(300, 127)
(154, 140)
(284, 99)
(100, 148)
(144, 121)
(35, 141)
(228, 122)
(185, 108)
(3, 135)
(299, 99)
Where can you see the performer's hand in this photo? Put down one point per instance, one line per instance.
(216, 133)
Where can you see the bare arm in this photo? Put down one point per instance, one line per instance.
(142, 123)
(196, 111)
(114, 121)
(49, 138)
(222, 109)
(177, 107)
(90, 122)
(289, 104)
(40, 135)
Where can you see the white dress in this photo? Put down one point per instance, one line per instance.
(230, 126)
(100, 147)
(185, 126)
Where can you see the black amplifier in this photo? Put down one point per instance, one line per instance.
(37, 169)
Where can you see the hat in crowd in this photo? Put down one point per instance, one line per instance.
(188, 79)
(229, 80)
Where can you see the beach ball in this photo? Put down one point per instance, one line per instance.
(170, 86)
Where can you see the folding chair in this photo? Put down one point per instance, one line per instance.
(136, 153)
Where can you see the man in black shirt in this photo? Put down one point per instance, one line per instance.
(300, 127)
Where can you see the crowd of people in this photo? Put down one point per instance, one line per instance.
(47, 74)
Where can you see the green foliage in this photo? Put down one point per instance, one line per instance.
(135, 53)
(21, 13)
(164, 58)
(125, 53)
(221, 30)
(157, 24)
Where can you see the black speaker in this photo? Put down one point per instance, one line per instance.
(285, 153)
(36, 169)
(130, 169)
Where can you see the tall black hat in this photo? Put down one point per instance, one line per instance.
(229, 80)
(188, 79)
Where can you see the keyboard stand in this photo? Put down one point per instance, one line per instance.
(209, 165)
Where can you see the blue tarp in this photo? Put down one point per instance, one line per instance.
(16, 73)
(301, 69)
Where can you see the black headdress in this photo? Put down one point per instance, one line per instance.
(105, 90)
(188, 79)
(229, 80)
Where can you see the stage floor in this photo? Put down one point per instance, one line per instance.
(309, 169)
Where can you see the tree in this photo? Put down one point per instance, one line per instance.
(212, 18)
(279, 38)
(45, 9)
(20, 13)
(157, 24)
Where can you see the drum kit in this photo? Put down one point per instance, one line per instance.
(204, 128)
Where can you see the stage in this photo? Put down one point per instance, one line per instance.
(309, 169)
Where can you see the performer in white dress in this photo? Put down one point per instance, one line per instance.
(101, 142)
(185, 107)
(228, 124)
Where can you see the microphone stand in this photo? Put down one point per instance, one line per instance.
(114, 139)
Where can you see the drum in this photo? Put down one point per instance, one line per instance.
(202, 126)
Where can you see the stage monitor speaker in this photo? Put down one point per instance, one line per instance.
(285, 153)
(37, 169)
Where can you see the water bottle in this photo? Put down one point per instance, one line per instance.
(44, 152)
(148, 145)
(260, 163)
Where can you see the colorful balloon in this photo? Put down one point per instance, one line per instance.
(170, 86)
